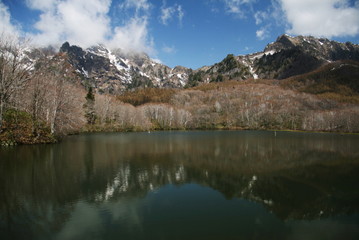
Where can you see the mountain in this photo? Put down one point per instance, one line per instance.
(297, 55)
(115, 70)
(286, 57)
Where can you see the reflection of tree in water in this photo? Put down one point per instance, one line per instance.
(296, 177)
(27, 177)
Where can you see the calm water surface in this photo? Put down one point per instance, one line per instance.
(182, 185)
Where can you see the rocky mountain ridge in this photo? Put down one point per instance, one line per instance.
(287, 56)
(115, 71)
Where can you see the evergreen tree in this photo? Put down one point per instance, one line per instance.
(219, 78)
(228, 64)
(90, 96)
(194, 79)
(90, 107)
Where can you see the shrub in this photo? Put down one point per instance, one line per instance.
(19, 128)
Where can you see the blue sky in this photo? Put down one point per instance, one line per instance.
(191, 33)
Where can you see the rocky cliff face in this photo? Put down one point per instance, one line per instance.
(115, 71)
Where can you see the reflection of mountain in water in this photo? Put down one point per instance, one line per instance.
(297, 176)
(304, 193)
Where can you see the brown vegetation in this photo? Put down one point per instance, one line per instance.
(20, 127)
(147, 95)
(337, 81)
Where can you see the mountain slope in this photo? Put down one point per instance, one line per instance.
(338, 80)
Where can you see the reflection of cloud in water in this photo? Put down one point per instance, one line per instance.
(125, 210)
(85, 222)
(90, 220)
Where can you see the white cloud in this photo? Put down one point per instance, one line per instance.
(138, 5)
(41, 4)
(267, 18)
(169, 50)
(237, 6)
(180, 14)
(262, 33)
(82, 22)
(273, 13)
(157, 60)
(324, 18)
(168, 13)
(133, 36)
(260, 17)
(87, 22)
(6, 27)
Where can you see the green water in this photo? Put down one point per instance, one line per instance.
(182, 185)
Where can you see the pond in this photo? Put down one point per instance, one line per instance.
(182, 185)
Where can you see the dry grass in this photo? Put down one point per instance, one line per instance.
(354, 99)
(147, 95)
(232, 84)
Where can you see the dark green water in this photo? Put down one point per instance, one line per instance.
(182, 185)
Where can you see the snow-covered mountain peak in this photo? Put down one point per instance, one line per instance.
(99, 50)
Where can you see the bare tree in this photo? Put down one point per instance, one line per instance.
(36, 96)
(64, 111)
(53, 97)
(14, 72)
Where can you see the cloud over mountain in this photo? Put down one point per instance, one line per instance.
(81, 22)
(88, 22)
(324, 18)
